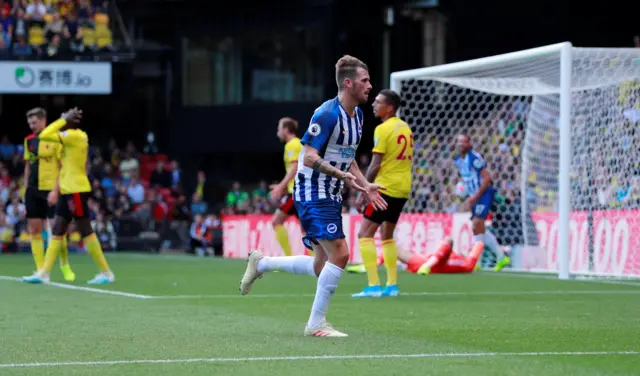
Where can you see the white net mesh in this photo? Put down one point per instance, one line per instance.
(510, 107)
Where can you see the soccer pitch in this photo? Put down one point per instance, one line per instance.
(175, 315)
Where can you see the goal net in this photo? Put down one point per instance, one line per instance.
(557, 126)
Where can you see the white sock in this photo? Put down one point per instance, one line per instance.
(327, 283)
(491, 242)
(289, 264)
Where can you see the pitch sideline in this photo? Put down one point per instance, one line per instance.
(318, 357)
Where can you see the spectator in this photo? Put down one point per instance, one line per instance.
(200, 242)
(261, 191)
(16, 215)
(175, 173)
(108, 181)
(202, 179)
(160, 178)
(21, 48)
(197, 205)
(129, 166)
(35, 11)
(238, 199)
(144, 214)
(72, 33)
(180, 221)
(160, 211)
(20, 29)
(7, 149)
(5, 7)
(66, 7)
(84, 13)
(102, 7)
(105, 232)
(54, 49)
(122, 206)
(135, 191)
(16, 168)
(5, 35)
(4, 52)
(150, 147)
(55, 27)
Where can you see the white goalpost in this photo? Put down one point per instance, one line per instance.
(559, 127)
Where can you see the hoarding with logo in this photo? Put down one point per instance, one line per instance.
(25, 77)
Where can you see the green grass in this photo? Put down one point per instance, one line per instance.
(456, 315)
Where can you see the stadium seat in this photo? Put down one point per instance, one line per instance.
(36, 36)
(165, 193)
(104, 38)
(88, 37)
(145, 158)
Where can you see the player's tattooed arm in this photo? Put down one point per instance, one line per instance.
(312, 159)
(324, 167)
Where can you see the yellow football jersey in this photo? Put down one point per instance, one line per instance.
(43, 158)
(393, 140)
(292, 150)
(73, 176)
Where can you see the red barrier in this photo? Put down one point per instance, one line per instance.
(616, 238)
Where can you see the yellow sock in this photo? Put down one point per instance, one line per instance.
(64, 252)
(52, 253)
(369, 257)
(95, 250)
(390, 253)
(37, 250)
(283, 238)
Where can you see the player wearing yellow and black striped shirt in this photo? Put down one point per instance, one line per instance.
(42, 167)
(72, 204)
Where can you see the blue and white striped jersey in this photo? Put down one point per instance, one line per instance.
(336, 135)
(469, 168)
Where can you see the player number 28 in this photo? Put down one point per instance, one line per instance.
(402, 140)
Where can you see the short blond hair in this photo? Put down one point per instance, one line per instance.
(38, 112)
(290, 124)
(347, 67)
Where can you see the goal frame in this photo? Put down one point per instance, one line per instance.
(564, 50)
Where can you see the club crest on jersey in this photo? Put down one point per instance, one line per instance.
(332, 228)
(314, 129)
(477, 163)
(359, 130)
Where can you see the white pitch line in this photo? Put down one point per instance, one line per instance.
(317, 357)
(443, 293)
(82, 288)
(550, 277)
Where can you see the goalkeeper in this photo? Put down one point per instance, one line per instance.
(443, 260)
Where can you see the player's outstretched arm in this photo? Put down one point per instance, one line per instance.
(50, 133)
(355, 170)
(370, 189)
